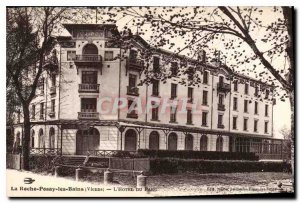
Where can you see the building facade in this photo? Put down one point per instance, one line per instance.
(74, 110)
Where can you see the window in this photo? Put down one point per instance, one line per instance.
(256, 91)
(155, 63)
(155, 113)
(246, 88)
(246, 106)
(89, 77)
(71, 55)
(205, 77)
(133, 54)
(53, 80)
(221, 80)
(204, 118)
(221, 99)
(108, 56)
(53, 105)
(255, 107)
(42, 110)
(155, 87)
(220, 121)
(219, 144)
(267, 94)
(52, 138)
(255, 125)
(204, 97)
(173, 91)
(235, 85)
(173, 114)
(19, 116)
(266, 126)
(234, 123)
(190, 94)
(203, 143)
(245, 124)
(266, 110)
(174, 68)
(132, 107)
(90, 49)
(189, 117)
(42, 85)
(88, 105)
(235, 103)
(33, 111)
(132, 80)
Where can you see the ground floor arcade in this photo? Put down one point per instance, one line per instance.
(75, 137)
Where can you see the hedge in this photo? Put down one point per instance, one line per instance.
(205, 155)
(171, 166)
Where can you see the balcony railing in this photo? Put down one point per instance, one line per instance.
(88, 115)
(132, 91)
(50, 151)
(221, 107)
(51, 114)
(53, 90)
(89, 88)
(135, 64)
(132, 115)
(88, 59)
(223, 87)
(221, 126)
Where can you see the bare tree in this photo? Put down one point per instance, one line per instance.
(238, 30)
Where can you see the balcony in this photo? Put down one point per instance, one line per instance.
(223, 87)
(134, 91)
(51, 114)
(88, 115)
(52, 90)
(190, 100)
(88, 88)
(221, 126)
(88, 60)
(135, 64)
(221, 107)
(132, 115)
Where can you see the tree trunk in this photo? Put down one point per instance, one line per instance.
(26, 138)
(292, 103)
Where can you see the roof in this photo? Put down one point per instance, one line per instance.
(70, 27)
(231, 72)
(138, 38)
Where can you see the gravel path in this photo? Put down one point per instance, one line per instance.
(162, 185)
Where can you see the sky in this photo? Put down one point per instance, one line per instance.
(281, 109)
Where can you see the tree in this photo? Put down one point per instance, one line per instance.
(29, 42)
(237, 30)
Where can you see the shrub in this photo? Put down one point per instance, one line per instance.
(173, 165)
(205, 155)
(42, 163)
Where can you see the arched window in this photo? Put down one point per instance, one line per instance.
(172, 141)
(90, 49)
(32, 139)
(189, 142)
(203, 143)
(219, 144)
(51, 138)
(87, 141)
(41, 139)
(154, 140)
(130, 140)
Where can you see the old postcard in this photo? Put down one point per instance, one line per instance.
(149, 101)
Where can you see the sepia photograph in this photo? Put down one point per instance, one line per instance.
(150, 101)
